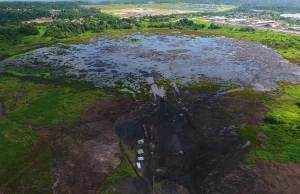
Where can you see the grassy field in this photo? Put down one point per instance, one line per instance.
(25, 159)
(278, 139)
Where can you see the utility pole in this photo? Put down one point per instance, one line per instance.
(153, 181)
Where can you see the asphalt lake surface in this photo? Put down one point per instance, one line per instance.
(131, 58)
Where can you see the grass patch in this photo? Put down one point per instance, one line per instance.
(14, 73)
(44, 104)
(58, 105)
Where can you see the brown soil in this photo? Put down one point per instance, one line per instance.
(85, 154)
(278, 178)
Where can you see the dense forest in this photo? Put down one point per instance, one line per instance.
(13, 13)
(258, 2)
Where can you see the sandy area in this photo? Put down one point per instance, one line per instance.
(137, 12)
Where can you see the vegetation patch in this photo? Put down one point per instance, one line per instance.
(15, 140)
(25, 161)
(282, 128)
(127, 91)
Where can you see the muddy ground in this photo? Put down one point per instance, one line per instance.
(212, 160)
(84, 155)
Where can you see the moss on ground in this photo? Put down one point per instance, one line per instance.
(247, 94)
(200, 86)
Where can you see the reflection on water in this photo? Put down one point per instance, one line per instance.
(288, 15)
(183, 59)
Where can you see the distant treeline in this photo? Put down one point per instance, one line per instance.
(270, 7)
(258, 2)
(102, 22)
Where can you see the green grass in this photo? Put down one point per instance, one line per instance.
(282, 127)
(59, 105)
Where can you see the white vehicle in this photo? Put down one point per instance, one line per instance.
(140, 152)
(141, 142)
(139, 167)
(140, 158)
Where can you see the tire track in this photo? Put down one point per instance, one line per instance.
(3, 112)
